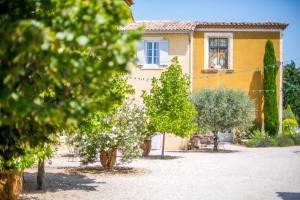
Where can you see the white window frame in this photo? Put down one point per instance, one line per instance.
(151, 39)
(153, 50)
(229, 36)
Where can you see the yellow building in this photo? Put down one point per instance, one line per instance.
(214, 55)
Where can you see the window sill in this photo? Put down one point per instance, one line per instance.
(212, 71)
(151, 67)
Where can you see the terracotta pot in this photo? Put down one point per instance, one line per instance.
(108, 159)
(11, 184)
(146, 147)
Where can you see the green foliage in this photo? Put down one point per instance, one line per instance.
(260, 139)
(26, 160)
(274, 142)
(284, 141)
(58, 63)
(297, 139)
(271, 119)
(123, 128)
(223, 109)
(168, 103)
(288, 126)
(291, 85)
(288, 113)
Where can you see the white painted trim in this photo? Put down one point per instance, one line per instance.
(280, 84)
(237, 30)
(152, 66)
(191, 61)
(207, 35)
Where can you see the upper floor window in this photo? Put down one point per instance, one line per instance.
(218, 51)
(152, 53)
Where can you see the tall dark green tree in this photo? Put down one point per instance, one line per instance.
(291, 87)
(271, 119)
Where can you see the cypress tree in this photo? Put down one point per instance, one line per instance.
(270, 98)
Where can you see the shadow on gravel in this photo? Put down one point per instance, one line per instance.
(59, 182)
(289, 195)
(206, 151)
(158, 157)
(102, 171)
(297, 152)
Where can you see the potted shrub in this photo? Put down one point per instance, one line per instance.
(11, 171)
(106, 133)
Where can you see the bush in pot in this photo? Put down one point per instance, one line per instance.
(122, 129)
(11, 171)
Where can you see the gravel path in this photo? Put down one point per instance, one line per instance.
(241, 173)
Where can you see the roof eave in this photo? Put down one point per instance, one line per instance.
(129, 2)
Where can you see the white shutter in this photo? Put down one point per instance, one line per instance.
(141, 53)
(164, 52)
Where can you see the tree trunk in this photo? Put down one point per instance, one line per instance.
(108, 159)
(41, 174)
(215, 141)
(163, 146)
(10, 185)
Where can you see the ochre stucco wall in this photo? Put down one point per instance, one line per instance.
(178, 46)
(248, 53)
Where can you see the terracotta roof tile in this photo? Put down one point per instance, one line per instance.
(191, 26)
(242, 25)
(162, 25)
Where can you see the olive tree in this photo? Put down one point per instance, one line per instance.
(58, 61)
(222, 109)
(168, 103)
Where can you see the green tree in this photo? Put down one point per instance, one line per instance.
(291, 87)
(58, 62)
(271, 118)
(223, 109)
(168, 103)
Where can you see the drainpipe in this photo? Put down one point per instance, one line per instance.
(280, 84)
(191, 60)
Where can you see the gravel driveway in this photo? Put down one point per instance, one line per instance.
(241, 173)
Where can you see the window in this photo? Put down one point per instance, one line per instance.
(152, 53)
(218, 51)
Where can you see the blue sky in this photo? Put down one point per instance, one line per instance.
(287, 11)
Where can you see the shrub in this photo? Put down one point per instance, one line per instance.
(288, 126)
(284, 141)
(288, 113)
(259, 139)
(274, 142)
(297, 140)
(123, 129)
